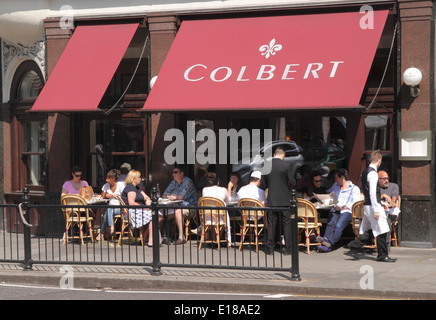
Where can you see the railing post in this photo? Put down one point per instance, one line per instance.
(26, 232)
(295, 268)
(156, 241)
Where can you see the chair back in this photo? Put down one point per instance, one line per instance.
(398, 202)
(124, 211)
(74, 200)
(357, 216)
(307, 211)
(212, 216)
(252, 214)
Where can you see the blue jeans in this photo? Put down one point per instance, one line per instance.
(336, 225)
(108, 218)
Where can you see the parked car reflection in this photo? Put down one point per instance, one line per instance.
(294, 155)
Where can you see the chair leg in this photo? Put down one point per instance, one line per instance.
(307, 242)
(67, 227)
(244, 232)
(81, 233)
(187, 222)
(217, 233)
(203, 231)
(91, 232)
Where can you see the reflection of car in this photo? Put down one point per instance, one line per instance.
(318, 156)
(294, 154)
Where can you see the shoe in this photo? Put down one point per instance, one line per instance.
(179, 241)
(324, 241)
(194, 231)
(165, 240)
(324, 249)
(386, 259)
(353, 253)
(269, 252)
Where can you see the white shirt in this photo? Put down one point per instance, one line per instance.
(372, 183)
(118, 190)
(252, 192)
(216, 192)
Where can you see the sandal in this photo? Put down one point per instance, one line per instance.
(100, 237)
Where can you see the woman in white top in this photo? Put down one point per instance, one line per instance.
(213, 190)
(110, 190)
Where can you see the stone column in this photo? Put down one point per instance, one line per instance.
(417, 224)
(162, 28)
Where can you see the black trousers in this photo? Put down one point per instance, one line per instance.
(273, 218)
(366, 238)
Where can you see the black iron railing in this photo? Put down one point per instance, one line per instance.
(34, 234)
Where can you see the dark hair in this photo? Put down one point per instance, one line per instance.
(76, 169)
(180, 167)
(280, 150)
(211, 179)
(342, 173)
(237, 175)
(114, 173)
(316, 173)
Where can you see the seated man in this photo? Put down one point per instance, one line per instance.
(389, 192)
(315, 187)
(181, 188)
(340, 216)
(252, 190)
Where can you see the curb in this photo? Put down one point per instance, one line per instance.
(146, 281)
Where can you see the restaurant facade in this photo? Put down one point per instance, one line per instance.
(327, 75)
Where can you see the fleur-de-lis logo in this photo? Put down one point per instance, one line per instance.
(271, 49)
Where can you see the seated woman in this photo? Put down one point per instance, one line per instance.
(212, 189)
(134, 196)
(110, 190)
(235, 183)
(73, 186)
(314, 187)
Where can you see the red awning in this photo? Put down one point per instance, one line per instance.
(87, 65)
(268, 63)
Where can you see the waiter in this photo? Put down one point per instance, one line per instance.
(374, 215)
(277, 184)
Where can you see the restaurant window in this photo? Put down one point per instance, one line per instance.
(28, 132)
(114, 142)
(34, 152)
(322, 139)
(377, 130)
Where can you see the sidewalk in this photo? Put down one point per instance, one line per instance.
(413, 276)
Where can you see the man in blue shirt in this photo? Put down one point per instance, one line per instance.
(181, 188)
(340, 216)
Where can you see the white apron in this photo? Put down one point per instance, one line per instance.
(379, 226)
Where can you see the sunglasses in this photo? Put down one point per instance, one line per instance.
(175, 172)
(77, 175)
(316, 181)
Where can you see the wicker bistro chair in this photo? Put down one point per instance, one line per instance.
(356, 220)
(307, 222)
(253, 222)
(394, 226)
(126, 230)
(212, 219)
(77, 216)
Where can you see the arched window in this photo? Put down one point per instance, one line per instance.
(29, 132)
(30, 85)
